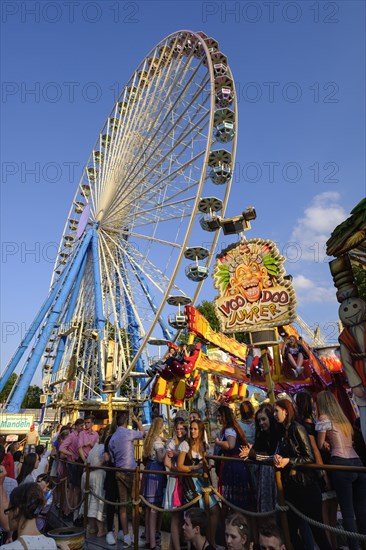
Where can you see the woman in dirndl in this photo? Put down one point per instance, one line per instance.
(191, 459)
(152, 485)
(234, 477)
(173, 493)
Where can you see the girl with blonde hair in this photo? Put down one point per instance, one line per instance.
(152, 485)
(350, 487)
(237, 532)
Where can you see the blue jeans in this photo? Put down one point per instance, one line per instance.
(351, 493)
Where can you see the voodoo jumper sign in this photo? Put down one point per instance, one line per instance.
(253, 293)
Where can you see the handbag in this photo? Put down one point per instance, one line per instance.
(189, 488)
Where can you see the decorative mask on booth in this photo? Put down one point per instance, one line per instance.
(253, 291)
(352, 311)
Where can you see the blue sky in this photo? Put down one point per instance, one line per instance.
(299, 69)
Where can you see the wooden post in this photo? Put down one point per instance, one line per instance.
(136, 508)
(277, 356)
(267, 375)
(262, 339)
(283, 515)
(170, 429)
(110, 409)
(86, 499)
(206, 495)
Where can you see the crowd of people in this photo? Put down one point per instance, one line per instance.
(283, 437)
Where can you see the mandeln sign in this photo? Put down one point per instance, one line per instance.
(15, 423)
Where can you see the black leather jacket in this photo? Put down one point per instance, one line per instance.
(294, 444)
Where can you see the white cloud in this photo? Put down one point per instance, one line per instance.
(313, 229)
(308, 291)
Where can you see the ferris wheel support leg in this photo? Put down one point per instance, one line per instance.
(99, 314)
(69, 315)
(166, 332)
(135, 342)
(29, 335)
(35, 359)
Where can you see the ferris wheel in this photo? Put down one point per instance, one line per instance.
(136, 242)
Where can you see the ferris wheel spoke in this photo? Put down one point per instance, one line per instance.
(166, 205)
(113, 298)
(118, 197)
(138, 260)
(123, 283)
(145, 114)
(164, 139)
(178, 171)
(150, 271)
(177, 214)
(176, 158)
(154, 239)
(154, 189)
(163, 90)
(153, 269)
(164, 135)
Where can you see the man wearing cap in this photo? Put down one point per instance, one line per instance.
(32, 439)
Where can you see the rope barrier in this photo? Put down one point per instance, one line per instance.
(176, 508)
(67, 500)
(210, 488)
(247, 512)
(113, 503)
(330, 528)
(57, 483)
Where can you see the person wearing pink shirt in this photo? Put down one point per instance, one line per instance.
(87, 438)
(69, 450)
(350, 486)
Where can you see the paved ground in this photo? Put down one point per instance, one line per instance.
(95, 543)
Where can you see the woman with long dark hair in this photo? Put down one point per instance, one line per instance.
(190, 459)
(300, 486)
(234, 477)
(25, 504)
(30, 463)
(350, 487)
(265, 443)
(305, 414)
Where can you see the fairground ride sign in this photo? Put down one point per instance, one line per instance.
(253, 293)
(15, 423)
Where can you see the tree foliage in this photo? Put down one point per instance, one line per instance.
(7, 389)
(31, 400)
(208, 311)
(360, 277)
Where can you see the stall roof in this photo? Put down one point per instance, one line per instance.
(350, 236)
